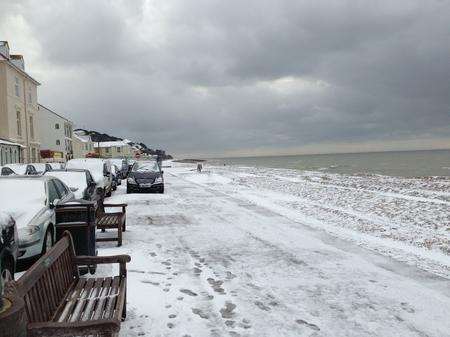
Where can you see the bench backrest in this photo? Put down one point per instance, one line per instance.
(44, 286)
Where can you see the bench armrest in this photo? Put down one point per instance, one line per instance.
(115, 205)
(89, 260)
(42, 329)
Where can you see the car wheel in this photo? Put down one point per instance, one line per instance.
(108, 194)
(48, 241)
(128, 190)
(8, 271)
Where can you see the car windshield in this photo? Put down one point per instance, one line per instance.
(146, 167)
(21, 193)
(71, 179)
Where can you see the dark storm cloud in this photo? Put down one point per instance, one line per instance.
(212, 76)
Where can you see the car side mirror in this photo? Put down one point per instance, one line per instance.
(73, 189)
(162, 172)
(54, 203)
(92, 184)
(99, 190)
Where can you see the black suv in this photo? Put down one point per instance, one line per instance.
(145, 176)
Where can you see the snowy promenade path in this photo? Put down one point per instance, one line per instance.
(207, 263)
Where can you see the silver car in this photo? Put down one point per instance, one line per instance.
(31, 201)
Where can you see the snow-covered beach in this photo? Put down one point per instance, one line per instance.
(236, 251)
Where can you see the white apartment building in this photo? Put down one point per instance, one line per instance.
(56, 135)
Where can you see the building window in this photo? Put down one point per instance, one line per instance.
(19, 123)
(107, 149)
(33, 155)
(30, 97)
(58, 142)
(57, 126)
(86, 147)
(118, 149)
(17, 87)
(31, 127)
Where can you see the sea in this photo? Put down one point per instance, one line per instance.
(422, 163)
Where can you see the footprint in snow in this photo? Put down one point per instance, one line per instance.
(150, 282)
(216, 285)
(309, 325)
(227, 311)
(262, 306)
(407, 307)
(200, 313)
(188, 292)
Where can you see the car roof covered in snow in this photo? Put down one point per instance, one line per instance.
(33, 177)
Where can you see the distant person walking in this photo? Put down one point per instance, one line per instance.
(199, 167)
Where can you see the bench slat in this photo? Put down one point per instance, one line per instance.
(81, 301)
(71, 302)
(110, 307)
(88, 311)
(102, 298)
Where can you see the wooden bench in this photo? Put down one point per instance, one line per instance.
(60, 303)
(115, 220)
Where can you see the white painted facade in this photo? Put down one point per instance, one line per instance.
(56, 134)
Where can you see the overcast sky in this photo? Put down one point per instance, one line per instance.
(218, 78)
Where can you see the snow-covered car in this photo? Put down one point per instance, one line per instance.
(30, 201)
(80, 182)
(18, 169)
(56, 166)
(100, 170)
(8, 247)
(145, 176)
(41, 168)
(122, 165)
(115, 177)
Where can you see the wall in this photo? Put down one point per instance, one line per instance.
(49, 134)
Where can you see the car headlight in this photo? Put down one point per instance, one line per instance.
(158, 180)
(29, 234)
(131, 180)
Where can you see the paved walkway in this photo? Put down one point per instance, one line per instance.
(205, 263)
